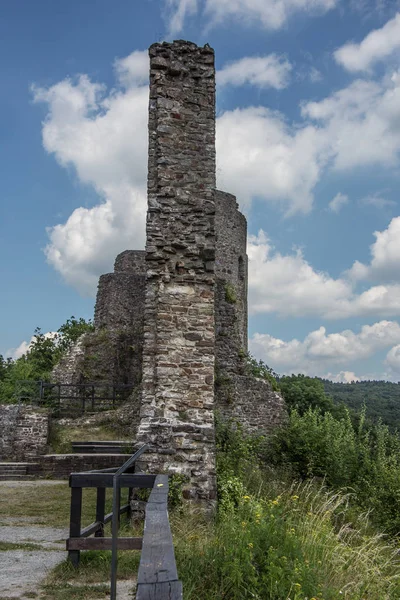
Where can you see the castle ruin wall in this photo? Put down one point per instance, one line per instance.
(179, 340)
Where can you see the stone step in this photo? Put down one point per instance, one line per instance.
(9, 471)
(15, 470)
(13, 467)
(16, 477)
(15, 464)
(101, 447)
(104, 442)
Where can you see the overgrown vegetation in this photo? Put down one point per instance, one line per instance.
(44, 352)
(62, 436)
(311, 512)
(230, 293)
(361, 458)
(297, 517)
(47, 504)
(276, 539)
(381, 398)
(258, 368)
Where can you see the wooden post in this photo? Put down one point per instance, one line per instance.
(100, 510)
(119, 505)
(114, 528)
(75, 522)
(130, 494)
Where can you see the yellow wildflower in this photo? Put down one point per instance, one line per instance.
(250, 545)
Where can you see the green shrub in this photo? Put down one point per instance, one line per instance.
(276, 547)
(37, 363)
(364, 459)
(230, 293)
(258, 368)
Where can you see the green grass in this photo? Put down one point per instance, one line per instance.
(4, 546)
(61, 437)
(272, 540)
(279, 546)
(70, 591)
(95, 567)
(48, 504)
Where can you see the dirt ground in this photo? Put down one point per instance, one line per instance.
(24, 568)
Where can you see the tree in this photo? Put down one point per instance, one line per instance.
(302, 392)
(44, 352)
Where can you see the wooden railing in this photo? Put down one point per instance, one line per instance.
(157, 576)
(73, 399)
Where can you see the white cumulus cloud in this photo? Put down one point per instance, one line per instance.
(359, 125)
(258, 154)
(261, 71)
(319, 351)
(393, 359)
(376, 46)
(25, 346)
(336, 204)
(342, 377)
(289, 286)
(270, 14)
(133, 69)
(177, 11)
(103, 137)
(385, 251)
(377, 201)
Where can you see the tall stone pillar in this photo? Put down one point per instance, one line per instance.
(179, 338)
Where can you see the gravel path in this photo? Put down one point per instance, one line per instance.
(22, 570)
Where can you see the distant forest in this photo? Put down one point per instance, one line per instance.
(381, 398)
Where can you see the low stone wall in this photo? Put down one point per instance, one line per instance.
(8, 425)
(251, 401)
(24, 432)
(60, 466)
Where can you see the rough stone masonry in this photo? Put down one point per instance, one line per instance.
(181, 304)
(179, 337)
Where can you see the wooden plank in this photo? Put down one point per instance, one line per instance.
(157, 561)
(93, 527)
(93, 543)
(90, 529)
(100, 510)
(86, 480)
(75, 522)
(170, 590)
(123, 509)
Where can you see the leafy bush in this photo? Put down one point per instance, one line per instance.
(230, 294)
(43, 354)
(283, 547)
(258, 368)
(363, 459)
(274, 540)
(302, 392)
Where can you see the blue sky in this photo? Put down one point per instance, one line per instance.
(308, 138)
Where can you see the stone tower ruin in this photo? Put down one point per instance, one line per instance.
(172, 320)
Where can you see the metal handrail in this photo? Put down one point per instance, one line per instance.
(115, 518)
